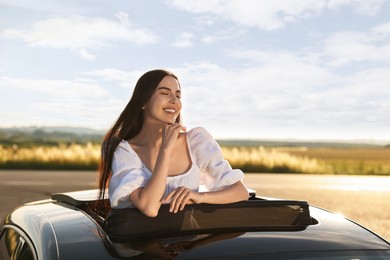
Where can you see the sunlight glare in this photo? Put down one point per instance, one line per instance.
(368, 183)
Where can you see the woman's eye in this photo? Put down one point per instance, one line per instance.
(164, 93)
(178, 97)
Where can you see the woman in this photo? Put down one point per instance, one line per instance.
(149, 159)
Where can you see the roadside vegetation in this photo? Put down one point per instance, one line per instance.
(315, 160)
(56, 157)
(363, 161)
(79, 149)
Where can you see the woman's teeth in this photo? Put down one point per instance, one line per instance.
(169, 110)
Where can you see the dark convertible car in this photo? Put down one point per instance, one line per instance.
(69, 226)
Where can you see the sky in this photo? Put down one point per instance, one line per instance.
(249, 69)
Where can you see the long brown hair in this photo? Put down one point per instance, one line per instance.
(129, 123)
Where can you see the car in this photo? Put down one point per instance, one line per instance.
(71, 226)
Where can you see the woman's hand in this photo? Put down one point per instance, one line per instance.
(170, 133)
(180, 197)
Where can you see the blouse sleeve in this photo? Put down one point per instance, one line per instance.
(216, 171)
(127, 176)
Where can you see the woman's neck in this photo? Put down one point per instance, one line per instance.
(150, 135)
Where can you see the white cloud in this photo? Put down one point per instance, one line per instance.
(205, 20)
(251, 54)
(97, 115)
(80, 33)
(382, 29)
(319, 79)
(290, 68)
(251, 96)
(86, 55)
(81, 102)
(359, 101)
(360, 6)
(370, 83)
(346, 47)
(183, 40)
(122, 78)
(52, 6)
(284, 96)
(60, 89)
(341, 48)
(229, 34)
(264, 15)
(271, 15)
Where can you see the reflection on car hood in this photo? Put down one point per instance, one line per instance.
(69, 232)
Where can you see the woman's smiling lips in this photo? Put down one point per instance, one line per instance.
(170, 110)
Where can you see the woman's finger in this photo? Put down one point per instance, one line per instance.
(185, 200)
(168, 198)
(176, 128)
(170, 134)
(177, 199)
(174, 200)
(181, 200)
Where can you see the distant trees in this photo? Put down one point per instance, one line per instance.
(41, 136)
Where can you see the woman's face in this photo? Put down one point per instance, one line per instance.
(164, 106)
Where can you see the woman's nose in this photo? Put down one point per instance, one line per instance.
(173, 99)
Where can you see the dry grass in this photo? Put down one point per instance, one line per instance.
(356, 154)
(54, 157)
(349, 160)
(356, 161)
(249, 159)
(260, 159)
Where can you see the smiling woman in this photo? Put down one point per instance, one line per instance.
(149, 158)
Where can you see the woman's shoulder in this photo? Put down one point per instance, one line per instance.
(124, 156)
(202, 145)
(198, 133)
(125, 147)
(199, 139)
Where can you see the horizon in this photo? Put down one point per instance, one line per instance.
(380, 142)
(314, 70)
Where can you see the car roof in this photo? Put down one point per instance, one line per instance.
(74, 229)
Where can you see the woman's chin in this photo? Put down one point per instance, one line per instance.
(171, 120)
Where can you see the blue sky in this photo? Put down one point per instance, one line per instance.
(249, 69)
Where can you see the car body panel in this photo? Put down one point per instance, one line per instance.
(63, 231)
(60, 231)
(37, 226)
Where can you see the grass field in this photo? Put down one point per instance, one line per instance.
(73, 156)
(360, 161)
(349, 160)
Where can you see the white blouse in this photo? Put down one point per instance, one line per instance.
(208, 169)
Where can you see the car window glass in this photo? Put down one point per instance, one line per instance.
(14, 246)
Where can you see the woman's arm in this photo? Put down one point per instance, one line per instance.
(148, 199)
(182, 196)
(234, 193)
(217, 175)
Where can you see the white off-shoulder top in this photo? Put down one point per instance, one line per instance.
(208, 169)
